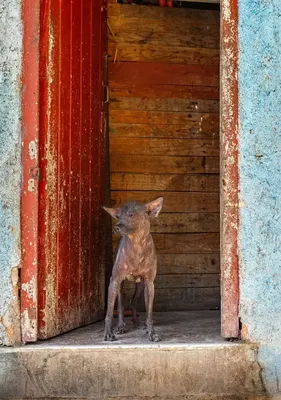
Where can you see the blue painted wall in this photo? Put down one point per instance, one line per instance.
(10, 167)
(260, 179)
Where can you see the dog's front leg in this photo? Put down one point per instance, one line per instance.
(121, 324)
(113, 289)
(149, 296)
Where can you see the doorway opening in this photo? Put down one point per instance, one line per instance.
(164, 140)
(151, 97)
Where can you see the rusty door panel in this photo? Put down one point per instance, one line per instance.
(72, 159)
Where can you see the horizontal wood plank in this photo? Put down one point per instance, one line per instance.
(182, 281)
(189, 131)
(120, 52)
(167, 182)
(170, 16)
(193, 121)
(146, 36)
(162, 91)
(164, 164)
(188, 264)
(182, 243)
(173, 201)
(186, 223)
(168, 147)
(180, 299)
(185, 281)
(143, 30)
(161, 73)
(164, 104)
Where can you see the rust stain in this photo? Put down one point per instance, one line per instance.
(244, 332)
(11, 318)
(15, 280)
(13, 229)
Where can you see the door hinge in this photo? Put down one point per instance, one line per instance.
(106, 94)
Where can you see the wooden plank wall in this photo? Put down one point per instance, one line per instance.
(164, 140)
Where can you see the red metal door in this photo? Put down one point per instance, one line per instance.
(72, 160)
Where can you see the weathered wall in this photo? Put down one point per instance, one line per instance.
(260, 180)
(10, 167)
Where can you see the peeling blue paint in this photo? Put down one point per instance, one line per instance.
(260, 180)
(260, 167)
(10, 166)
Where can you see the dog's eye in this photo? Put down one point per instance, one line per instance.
(131, 215)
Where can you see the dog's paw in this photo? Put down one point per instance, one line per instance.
(121, 329)
(109, 337)
(153, 337)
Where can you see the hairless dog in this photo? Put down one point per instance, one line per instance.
(135, 260)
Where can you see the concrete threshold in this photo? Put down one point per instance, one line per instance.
(79, 365)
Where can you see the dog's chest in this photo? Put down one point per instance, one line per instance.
(138, 262)
(137, 268)
(136, 259)
(133, 278)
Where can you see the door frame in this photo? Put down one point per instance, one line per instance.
(229, 179)
(30, 170)
(229, 190)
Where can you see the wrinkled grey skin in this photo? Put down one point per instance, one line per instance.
(135, 260)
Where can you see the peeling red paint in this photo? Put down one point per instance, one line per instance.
(71, 154)
(29, 207)
(229, 169)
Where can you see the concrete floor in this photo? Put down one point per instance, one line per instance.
(189, 327)
(192, 362)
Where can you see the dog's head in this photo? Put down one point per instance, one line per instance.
(133, 216)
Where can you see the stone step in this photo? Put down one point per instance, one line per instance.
(154, 371)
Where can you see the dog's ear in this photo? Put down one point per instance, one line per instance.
(154, 207)
(114, 212)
